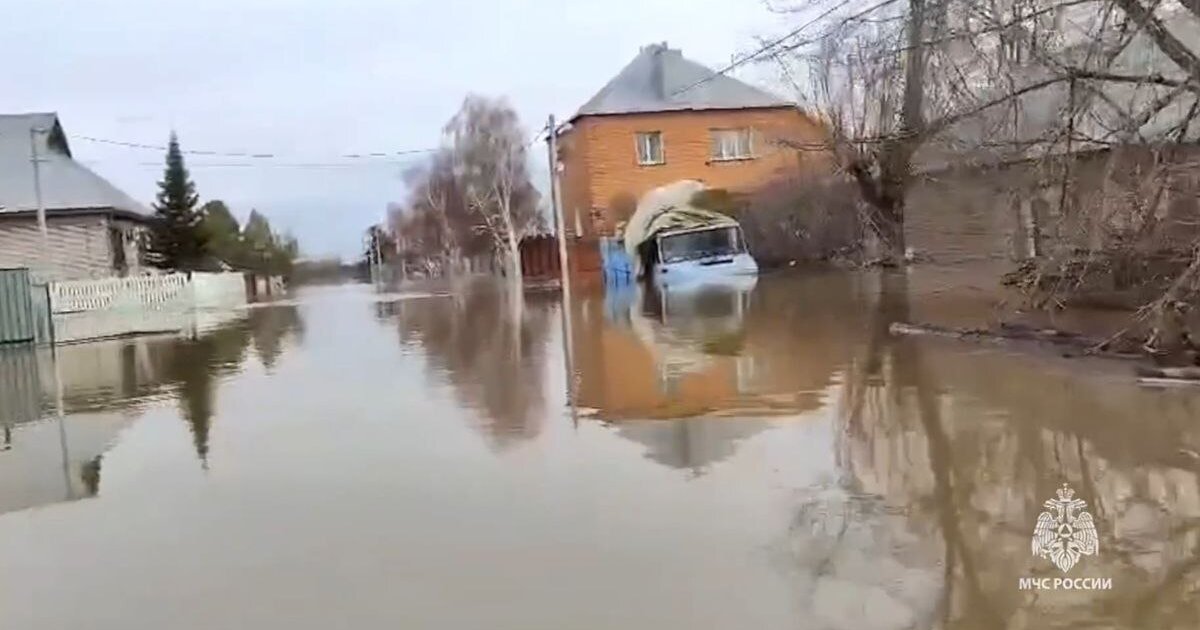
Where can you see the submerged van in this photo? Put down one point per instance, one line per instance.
(673, 241)
(700, 253)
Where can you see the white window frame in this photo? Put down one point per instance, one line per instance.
(645, 148)
(731, 144)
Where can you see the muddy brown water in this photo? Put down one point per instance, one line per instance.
(753, 457)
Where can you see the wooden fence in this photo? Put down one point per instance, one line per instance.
(539, 258)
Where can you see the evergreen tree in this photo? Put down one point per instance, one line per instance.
(252, 247)
(177, 240)
(259, 240)
(223, 233)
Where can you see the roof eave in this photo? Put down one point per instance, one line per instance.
(51, 212)
(685, 108)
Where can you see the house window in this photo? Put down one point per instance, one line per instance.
(732, 144)
(650, 148)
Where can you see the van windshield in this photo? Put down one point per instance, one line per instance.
(724, 241)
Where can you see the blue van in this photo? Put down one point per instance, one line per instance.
(678, 256)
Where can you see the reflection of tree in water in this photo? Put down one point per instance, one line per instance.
(193, 366)
(969, 446)
(491, 346)
(269, 327)
(104, 385)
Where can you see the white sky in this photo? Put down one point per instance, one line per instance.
(313, 80)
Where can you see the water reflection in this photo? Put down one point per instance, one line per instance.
(53, 454)
(959, 449)
(690, 373)
(774, 438)
(490, 345)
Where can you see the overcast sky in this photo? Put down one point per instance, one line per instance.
(311, 81)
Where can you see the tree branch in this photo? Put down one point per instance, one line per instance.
(1170, 45)
(944, 122)
(1151, 79)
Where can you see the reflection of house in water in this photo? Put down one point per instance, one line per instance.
(691, 373)
(49, 457)
(693, 443)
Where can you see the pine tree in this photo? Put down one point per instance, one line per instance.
(177, 240)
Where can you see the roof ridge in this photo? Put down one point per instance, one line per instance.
(645, 85)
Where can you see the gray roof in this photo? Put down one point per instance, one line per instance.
(66, 184)
(660, 79)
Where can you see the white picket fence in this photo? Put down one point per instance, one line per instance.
(139, 292)
(110, 307)
(175, 290)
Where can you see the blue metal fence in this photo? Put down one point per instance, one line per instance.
(617, 265)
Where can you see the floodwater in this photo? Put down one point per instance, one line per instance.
(749, 457)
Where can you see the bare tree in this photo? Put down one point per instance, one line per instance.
(896, 77)
(1095, 99)
(489, 149)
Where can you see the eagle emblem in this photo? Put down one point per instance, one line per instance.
(1066, 531)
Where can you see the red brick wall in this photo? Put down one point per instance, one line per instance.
(602, 179)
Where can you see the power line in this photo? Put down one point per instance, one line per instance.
(374, 157)
(317, 165)
(243, 154)
(769, 46)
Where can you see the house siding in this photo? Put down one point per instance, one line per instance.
(602, 179)
(78, 245)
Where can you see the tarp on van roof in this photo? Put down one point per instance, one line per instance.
(667, 209)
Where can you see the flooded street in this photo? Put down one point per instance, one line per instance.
(753, 457)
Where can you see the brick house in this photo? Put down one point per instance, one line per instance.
(664, 118)
(93, 228)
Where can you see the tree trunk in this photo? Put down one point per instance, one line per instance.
(896, 175)
(514, 258)
(890, 222)
(885, 193)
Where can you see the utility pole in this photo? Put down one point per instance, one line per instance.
(375, 255)
(564, 266)
(37, 193)
(378, 257)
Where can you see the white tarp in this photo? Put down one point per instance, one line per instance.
(665, 208)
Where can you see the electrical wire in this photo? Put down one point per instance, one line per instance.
(243, 154)
(265, 159)
(771, 45)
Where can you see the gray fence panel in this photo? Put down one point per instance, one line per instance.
(20, 387)
(16, 307)
(43, 320)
